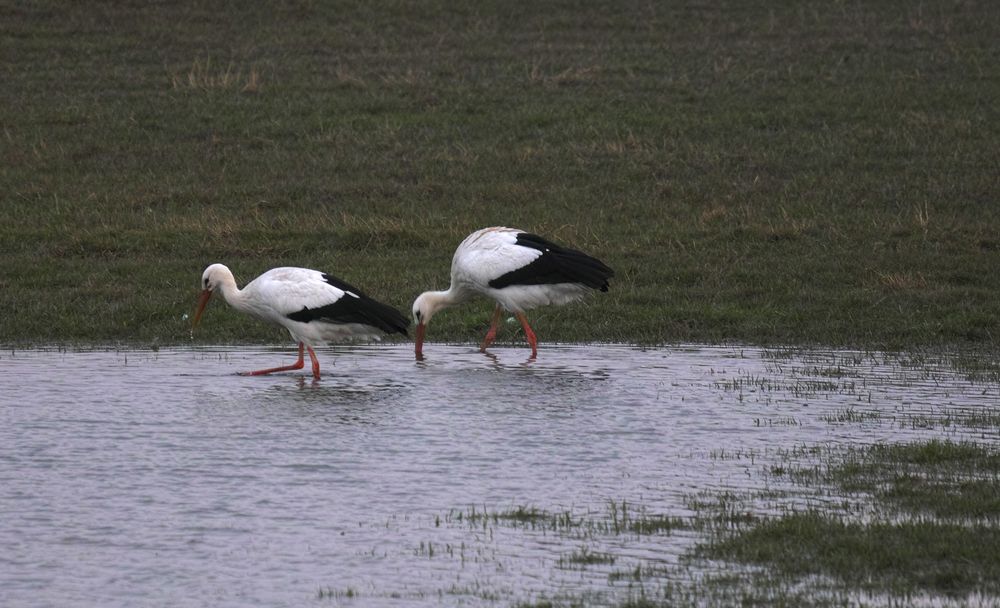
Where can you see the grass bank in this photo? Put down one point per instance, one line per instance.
(805, 172)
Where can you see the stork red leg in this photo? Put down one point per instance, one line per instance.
(315, 362)
(529, 334)
(491, 335)
(297, 365)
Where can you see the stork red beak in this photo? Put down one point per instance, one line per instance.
(421, 331)
(202, 301)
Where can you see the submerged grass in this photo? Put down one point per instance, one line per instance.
(878, 525)
(901, 558)
(585, 557)
(913, 520)
(806, 172)
(938, 478)
(932, 528)
(621, 517)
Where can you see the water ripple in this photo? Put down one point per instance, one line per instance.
(163, 477)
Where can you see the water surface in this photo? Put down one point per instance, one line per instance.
(163, 478)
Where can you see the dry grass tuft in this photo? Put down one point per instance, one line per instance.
(902, 281)
(713, 214)
(922, 216)
(202, 75)
(570, 75)
(346, 77)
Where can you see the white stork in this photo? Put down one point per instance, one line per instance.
(518, 270)
(313, 306)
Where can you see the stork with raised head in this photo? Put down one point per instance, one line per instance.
(315, 308)
(518, 270)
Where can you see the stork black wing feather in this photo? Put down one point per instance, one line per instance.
(557, 264)
(354, 307)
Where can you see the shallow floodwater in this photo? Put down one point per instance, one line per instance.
(163, 478)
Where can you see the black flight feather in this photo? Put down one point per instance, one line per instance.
(356, 308)
(557, 264)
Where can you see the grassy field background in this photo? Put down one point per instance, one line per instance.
(761, 172)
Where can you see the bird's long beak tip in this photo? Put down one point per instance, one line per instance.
(202, 302)
(419, 340)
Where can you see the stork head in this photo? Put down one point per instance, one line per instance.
(424, 308)
(213, 277)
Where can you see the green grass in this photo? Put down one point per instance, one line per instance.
(335, 594)
(585, 557)
(902, 558)
(520, 516)
(774, 173)
(933, 529)
(621, 518)
(942, 479)
(892, 522)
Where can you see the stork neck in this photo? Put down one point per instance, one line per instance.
(233, 295)
(433, 301)
(450, 297)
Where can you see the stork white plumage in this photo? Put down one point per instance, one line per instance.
(315, 308)
(518, 270)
